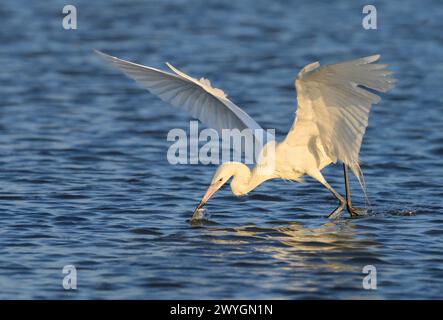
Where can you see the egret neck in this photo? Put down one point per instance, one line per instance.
(243, 180)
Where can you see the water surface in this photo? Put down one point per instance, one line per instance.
(84, 178)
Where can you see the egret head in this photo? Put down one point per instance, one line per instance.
(221, 176)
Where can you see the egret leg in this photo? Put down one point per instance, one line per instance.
(318, 176)
(352, 211)
(341, 205)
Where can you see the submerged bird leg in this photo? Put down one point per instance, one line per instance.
(341, 205)
(352, 211)
(318, 176)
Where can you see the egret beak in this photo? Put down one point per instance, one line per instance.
(211, 190)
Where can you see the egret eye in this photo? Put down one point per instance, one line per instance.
(220, 180)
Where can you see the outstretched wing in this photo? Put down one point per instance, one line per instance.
(336, 100)
(210, 105)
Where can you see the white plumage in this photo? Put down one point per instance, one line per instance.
(205, 103)
(334, 105)
(332, 115)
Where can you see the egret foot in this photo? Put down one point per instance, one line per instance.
(354, 212)
(337, 211)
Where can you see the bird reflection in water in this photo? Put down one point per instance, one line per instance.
(295, 245)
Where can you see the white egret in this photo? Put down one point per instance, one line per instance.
(332, 115)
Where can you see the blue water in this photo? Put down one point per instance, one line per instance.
(84, 178)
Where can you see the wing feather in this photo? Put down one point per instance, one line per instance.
(334, 102)
(210, 105)
(337, 100)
